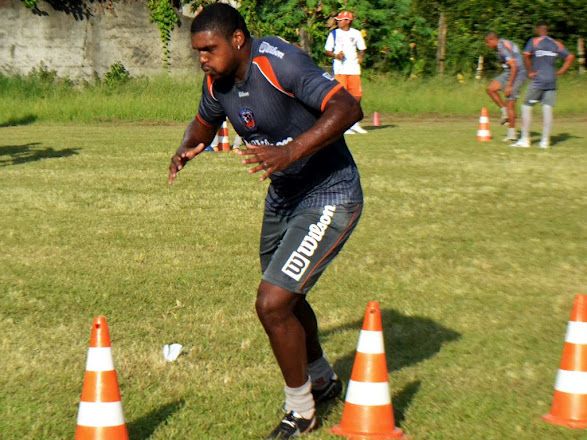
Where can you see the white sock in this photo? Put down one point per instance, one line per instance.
(511, 133)
(526, 121)
(300, 400)
(504, 111)
(547, 123)
(320, 373)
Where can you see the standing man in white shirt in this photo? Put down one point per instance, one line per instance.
(346, 46)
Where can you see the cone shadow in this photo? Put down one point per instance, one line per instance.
(408, 340)
(144, 427)
(402, 400)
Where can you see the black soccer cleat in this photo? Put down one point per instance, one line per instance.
(292, 425)
(329, 392)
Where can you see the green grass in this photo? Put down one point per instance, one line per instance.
(41, 97)
(474, 251)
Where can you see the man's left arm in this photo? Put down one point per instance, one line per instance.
(513, 74)
(568, 57)
(340, 112)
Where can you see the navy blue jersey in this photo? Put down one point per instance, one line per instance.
(283, 95)
(544, 52)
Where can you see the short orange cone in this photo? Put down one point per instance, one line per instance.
(376, 119)
(367, 413)
(569, 404)
(483, 134)
(100, 414)
(223, 142)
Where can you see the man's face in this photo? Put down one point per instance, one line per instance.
(344, 24)
(216, 54)
(541, 31)
(491, 42)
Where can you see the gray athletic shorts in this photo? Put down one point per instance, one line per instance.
(546, 97)
(297, 247)
(503, 79)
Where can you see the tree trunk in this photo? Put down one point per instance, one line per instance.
(441, 51)
(305, 40)
(479, 73)
(581, 53)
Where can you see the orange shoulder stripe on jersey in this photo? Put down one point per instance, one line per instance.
(329, 95)
(560, 45)
(265, 67)
(210, 84)
(507, 44)
(203, 122)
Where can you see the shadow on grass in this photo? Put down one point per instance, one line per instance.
(562, 137)
(380, 127)
(144, 427)
(402, 400)
(24, 120)
(19, 154)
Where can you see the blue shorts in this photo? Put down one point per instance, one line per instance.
(503, 79)
(546, 97)
(297, 247)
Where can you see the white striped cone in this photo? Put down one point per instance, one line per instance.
(223, 142)
(368, 413)
(483, 134)
(569, 404)
(100, 415)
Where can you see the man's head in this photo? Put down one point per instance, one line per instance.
(491, 40)
(219, 33)
(541, 29)
(344, 20)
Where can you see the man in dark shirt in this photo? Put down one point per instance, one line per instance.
(292, 116)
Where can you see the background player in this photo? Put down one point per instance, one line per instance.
(510, 81)
(540, 55)
(292, 115)
(346, 46)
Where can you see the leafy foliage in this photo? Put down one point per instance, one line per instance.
(118, 74)
(163, 14)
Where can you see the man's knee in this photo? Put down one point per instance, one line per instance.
(273, 304)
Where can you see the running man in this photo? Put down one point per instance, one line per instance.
(346, 46)
(540, 55)
(292, 116)
(510, 81)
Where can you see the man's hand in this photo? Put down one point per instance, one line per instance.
(268, 158)
(180, 158)
(532, 75)
(339, 56)
(508, 91)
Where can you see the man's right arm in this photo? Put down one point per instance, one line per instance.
(528, 51)
(197, 135)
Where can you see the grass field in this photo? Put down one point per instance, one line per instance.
(43, 98)
(474, 251)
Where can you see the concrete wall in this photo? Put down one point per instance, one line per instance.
(81, 46)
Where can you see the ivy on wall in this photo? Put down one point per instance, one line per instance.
(164, 16)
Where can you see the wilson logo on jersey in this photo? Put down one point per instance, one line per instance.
(299, 261)
(248, 118)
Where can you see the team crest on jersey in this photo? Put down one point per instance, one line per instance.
(248, 118)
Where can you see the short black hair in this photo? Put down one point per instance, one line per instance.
(542, 23)
(491, 35)
(221, 18)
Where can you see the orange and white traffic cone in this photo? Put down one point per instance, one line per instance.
(368, 413)
(483, 134)
(569, 404)
(100, 414)
(376, 119)
(223, 142)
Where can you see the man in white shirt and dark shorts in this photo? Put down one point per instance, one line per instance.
(346, 46)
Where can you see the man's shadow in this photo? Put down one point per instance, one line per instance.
(19, 154)
(562, 137)
(144, 427)
(408, 340)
